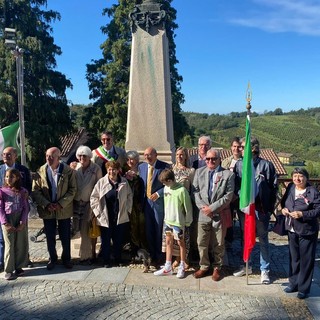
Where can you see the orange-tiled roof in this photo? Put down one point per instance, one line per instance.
(267, 154)
(69, 141)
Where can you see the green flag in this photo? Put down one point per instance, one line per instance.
(247, 195)
(9, 137)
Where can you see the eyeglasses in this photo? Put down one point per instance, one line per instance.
(212, 159)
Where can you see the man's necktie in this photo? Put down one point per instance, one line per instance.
(149, 181)
(211, 173)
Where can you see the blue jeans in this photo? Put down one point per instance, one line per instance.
(262, 224)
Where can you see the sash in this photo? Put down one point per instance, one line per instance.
(104, 155)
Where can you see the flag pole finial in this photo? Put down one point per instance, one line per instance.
(248, 98)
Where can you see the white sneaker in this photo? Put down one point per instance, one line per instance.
(163, 272)
(242, 271)
(180, 273)
(265, 277)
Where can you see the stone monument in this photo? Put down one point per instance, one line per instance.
(150, 108)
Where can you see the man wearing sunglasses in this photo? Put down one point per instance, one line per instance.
(108, 152)
(213, 192)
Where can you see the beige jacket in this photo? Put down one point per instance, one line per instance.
(66, 190)
(98, 202)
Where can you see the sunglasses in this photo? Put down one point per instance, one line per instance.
(212, 159)
(106, 139)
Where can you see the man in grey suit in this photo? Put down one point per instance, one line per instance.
(213, 192)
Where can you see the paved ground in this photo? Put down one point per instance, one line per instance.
(93, 292)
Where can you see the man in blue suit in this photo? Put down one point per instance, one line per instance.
(153, 201)
(9, 157)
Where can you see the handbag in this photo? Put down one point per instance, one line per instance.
(94, 229)
(279, 226)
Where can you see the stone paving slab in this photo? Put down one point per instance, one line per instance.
(93, 292)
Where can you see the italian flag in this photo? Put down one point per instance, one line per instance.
(247, 195)
(9, 137)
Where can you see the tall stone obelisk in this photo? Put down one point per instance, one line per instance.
(150, 109)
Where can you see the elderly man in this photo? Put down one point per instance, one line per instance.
(266, 178)
(108, 152)
(204, 144)
(153, 201)
(53, 191)
(196, 162)
(213, 191)
(9, 156)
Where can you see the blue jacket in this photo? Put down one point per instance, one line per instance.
(157, 186)
(267, 183)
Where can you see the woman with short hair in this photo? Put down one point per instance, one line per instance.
(87, 175)
(111, 202)
(301, 206)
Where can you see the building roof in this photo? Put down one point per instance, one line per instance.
(284, 154)
(71, 141)
(267, 154)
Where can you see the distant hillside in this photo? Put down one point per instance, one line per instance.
(296, 132)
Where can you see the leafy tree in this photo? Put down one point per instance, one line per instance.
(108, 77)
(47, 114)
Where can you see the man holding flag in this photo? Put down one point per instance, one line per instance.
(256, 183)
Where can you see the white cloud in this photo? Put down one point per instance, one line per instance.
(298, 16)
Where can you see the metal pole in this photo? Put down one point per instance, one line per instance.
(18, 53)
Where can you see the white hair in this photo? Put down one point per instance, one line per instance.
(83, 151)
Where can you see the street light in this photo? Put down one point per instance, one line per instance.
(17, 52)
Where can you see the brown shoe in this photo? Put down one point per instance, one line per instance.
(216, 276)
(200, 273)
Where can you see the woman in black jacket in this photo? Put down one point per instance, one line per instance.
(301, 206)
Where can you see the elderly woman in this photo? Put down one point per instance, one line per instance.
(301, 206)
(87, 175)
(137, 221)
(111, 202)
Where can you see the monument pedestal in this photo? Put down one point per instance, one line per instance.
(150, 121)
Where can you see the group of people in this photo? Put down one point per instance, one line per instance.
(176, 209)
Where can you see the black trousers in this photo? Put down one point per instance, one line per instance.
(302, 252)
(50, 228)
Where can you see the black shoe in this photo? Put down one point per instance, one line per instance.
(118, 263)
(19, 272)
(10, 276)
(289, 289)
(68, 265)
(30, 264)
(50, 265)
(301, 295)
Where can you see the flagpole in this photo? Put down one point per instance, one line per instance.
(248, 107)
(247, 191)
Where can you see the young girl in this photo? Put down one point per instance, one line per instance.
(14, 209)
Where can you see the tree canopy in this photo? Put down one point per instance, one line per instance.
(47, 115)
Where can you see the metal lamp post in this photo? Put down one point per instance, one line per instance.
(18, 55)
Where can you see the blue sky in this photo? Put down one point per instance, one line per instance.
(221, 45)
